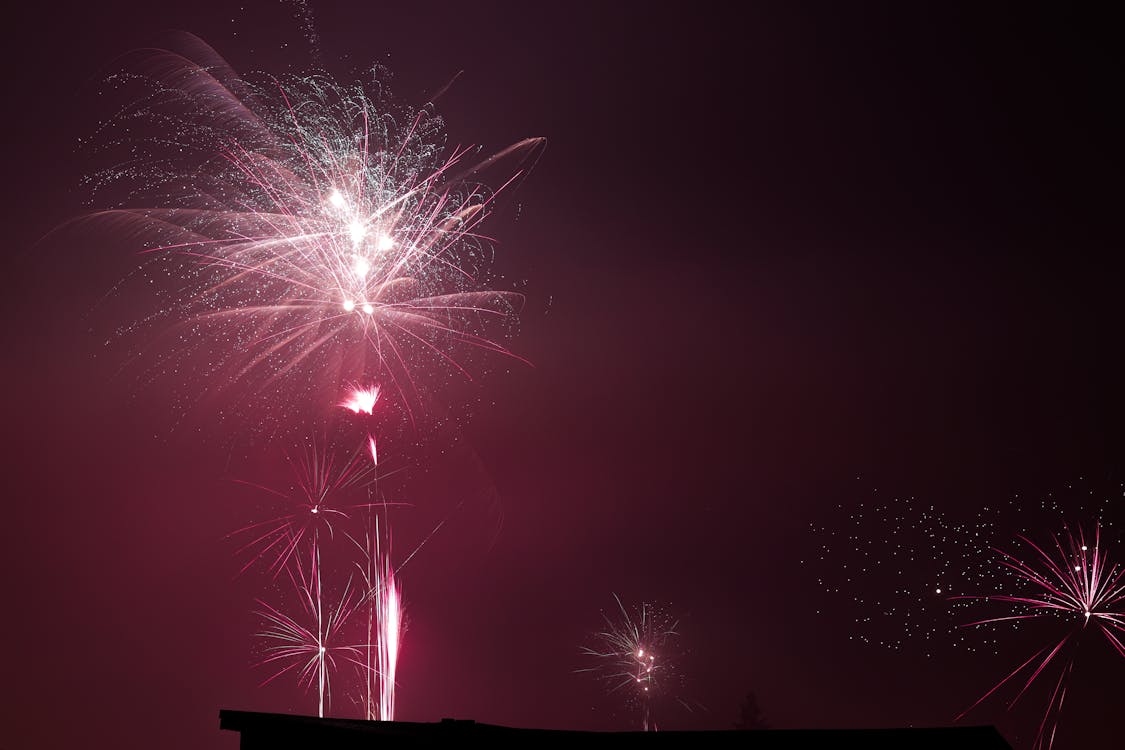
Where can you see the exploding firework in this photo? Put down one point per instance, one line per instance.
(361, 400)
(312, 643)
(896, 560)
(320, 496)
(633, 653)
(1075, 585)
(314, 231)
(309, 238)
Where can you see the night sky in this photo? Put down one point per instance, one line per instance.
(781, 264)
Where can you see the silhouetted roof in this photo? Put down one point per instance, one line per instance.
(260, 731)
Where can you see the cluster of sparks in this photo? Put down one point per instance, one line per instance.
(312, 644)
(361, 400)
(384, 625)
(323, 232)
(633, 652)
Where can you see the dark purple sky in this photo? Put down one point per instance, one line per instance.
(766, 252)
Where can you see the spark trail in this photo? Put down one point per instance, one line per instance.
(383, 603)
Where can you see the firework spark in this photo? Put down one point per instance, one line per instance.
(321, 229)
(313, 503)
(1074, 584)
(633, 652)
(361, 400)
(383, 602)
(373, 449)
(312, 644)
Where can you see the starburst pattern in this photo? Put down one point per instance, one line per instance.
(1075, 584)
(633, 652)
(317, 231)
(321, 494)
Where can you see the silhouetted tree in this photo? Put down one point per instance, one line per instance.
(750, 715)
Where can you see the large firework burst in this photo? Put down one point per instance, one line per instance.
(316, 233)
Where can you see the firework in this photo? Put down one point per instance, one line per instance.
(1075, 585)
(389, 608)
(633, 652)
(312, 643)
(373, 449)
(313, 503)
(317, 230)
(896, 560)
(361, 400)
(383, 603)
(310, 237)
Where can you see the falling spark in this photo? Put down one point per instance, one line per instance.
(321, 229)
(633, 651)
(311, 643)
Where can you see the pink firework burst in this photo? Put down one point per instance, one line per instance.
(324, 232)
(1074, 584)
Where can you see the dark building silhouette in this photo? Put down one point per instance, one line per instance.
(262, 731)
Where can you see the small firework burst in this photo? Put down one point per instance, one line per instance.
(312, 643)
(321, 494)
(634, 653)
(308, 233)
